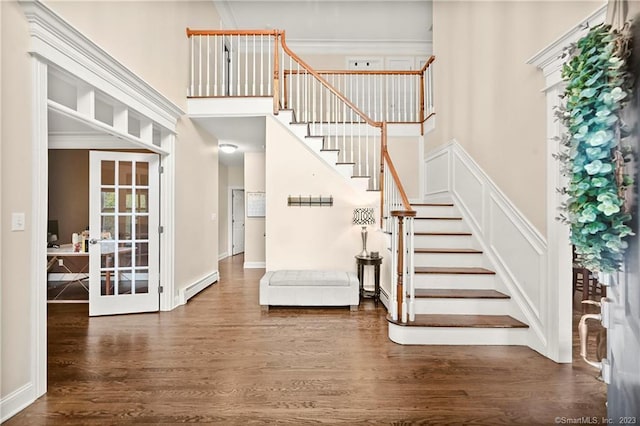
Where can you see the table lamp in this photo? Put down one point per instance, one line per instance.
(363, 216)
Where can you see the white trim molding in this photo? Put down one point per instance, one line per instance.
(55, 44)
(193, 289)
(57, 41)
(558, 298)
(513, 246)
(222, 256)
(254, 265)
(16, 401)
(550, 60)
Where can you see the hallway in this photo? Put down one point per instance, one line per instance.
(220, 360)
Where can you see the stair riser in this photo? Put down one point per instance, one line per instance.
(443, 241)
(456, 281)
(457, 335)
(331, 157)
(345, 170)
(462, 306)
(314, 143)
(456, 260)
(437, 211)
(436, 225)
(300, 130)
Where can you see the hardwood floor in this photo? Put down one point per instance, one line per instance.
(220, 360)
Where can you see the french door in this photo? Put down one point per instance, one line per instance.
(123, 233)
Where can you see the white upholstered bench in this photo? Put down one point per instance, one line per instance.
(309, 288)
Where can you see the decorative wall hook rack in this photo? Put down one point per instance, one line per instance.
(310, 201)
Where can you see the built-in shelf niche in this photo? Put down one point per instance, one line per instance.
(80, 102)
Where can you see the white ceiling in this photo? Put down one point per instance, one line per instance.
(248, 133)
(334, 26)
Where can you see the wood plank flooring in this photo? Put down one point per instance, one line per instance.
(220, 360)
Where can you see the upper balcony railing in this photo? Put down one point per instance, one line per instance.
(350, 109)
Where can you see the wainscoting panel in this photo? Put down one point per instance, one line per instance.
(469, 188)
(521, 260)
(437, 173)
(515, 249)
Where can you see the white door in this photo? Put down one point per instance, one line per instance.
(123, 229)
(237, 221)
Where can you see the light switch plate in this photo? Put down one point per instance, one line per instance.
(17, 221)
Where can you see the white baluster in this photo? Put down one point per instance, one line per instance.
(200, 65)
(215, 65)
(298, 91)
(238, 69)
(208, 67)
(411, 269)
(191, 91)
(394, 266)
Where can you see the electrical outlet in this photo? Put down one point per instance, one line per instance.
(60, 262)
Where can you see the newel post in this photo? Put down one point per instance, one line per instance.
(400, 293)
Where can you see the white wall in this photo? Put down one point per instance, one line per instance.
(311, 237)
(406, 154)
(15, 194)
(148, 38)
(254, 227)
(488, 98)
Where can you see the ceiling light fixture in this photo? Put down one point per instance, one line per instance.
(228, 148)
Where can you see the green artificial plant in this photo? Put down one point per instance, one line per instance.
(598, 87)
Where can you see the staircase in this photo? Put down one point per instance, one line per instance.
(443, 287)
(458, 297)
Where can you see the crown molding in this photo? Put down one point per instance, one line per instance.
(59, 43)
(550, 59)
(380, 47)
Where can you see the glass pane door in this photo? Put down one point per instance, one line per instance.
(123, 230)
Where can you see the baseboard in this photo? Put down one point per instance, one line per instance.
(16, 401)
(191, 290)
(255, 265)
(223, 255)
(384, 298)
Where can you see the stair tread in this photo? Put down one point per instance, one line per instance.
(450, 234)
(437, 218)
(432, 205)
(349, 164)
(360, 177)
(446, 293)
(448, 250)
(452, 270)
(466, 321)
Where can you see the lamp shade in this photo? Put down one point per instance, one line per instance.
(363, 216)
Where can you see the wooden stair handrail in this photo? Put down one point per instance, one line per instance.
(396, 178)
(191, 32)
(326, 84)
(426, 65)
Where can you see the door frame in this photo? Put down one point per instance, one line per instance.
(557, 294)
(54, 41)
(230, 190)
